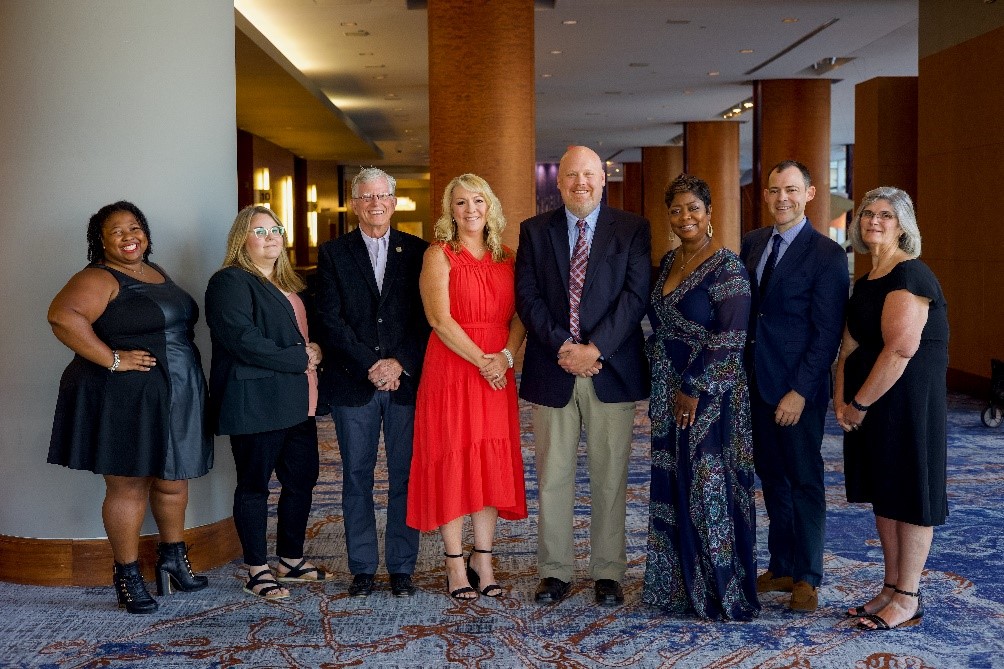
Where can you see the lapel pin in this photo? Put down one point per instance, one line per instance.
(397, 249)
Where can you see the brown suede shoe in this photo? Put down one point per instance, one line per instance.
(766, 582)
(804, 597)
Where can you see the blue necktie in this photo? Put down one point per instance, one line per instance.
(768, 269)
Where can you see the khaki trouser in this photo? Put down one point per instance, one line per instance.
(608, 428)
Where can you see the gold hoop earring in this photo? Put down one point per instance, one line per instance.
(710, 229)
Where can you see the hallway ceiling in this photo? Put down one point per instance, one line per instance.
(629, 72)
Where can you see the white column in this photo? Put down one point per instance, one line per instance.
(103, 100)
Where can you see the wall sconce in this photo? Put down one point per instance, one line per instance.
(406, 204)
(262, 189)
(312, 214)
(286, 207)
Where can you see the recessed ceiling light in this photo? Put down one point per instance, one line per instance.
(748, 104)
(556, 52)
(380, 77)
(348, 24)
(713, 73)
(392, 96)
(569, 22)
(745, 50)
(789, 19)
(545, 76)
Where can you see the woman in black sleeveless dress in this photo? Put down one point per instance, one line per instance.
(891, 401)
(131, 402)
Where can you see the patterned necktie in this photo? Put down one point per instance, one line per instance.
(576, 277)
(768, 269)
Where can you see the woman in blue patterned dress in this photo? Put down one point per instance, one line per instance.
(701, 541)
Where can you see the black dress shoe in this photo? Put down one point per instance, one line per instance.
(401, 585)
(362, 585)
(551, 590)
(609, 592)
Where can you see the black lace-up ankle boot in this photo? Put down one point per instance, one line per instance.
(173, 568)
(131, 590)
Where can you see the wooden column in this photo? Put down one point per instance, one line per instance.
(885, 134)
(659, 166)
(791, 120)
(481, 101)
(711, 152)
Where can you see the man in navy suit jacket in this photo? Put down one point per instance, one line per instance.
(796, 321)
(590, 380)
(374, 335)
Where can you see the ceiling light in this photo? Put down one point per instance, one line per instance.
(713, 73)
(737, 109)
(824, 65)
(380, 77)
(392, 96)
(789, 19)
(569, 22)
(545, 76)
(556, 52)
(348, 24)
(745, 50)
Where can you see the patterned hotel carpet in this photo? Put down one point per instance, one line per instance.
(319, 626)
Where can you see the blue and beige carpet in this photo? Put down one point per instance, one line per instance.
(319, 626)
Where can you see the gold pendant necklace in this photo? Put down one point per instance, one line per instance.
(694, 254)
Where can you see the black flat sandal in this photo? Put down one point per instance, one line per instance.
(861, 611)
(882, 625)
(459, 593)
(296, 573)
(265, 578)
(490, 590)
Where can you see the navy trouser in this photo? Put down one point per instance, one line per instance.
(292, 454)
(358, 432)
(789, 462)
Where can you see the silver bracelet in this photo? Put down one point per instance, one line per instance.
(115, 361)
(508, 356)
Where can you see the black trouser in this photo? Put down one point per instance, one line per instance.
(292, 454)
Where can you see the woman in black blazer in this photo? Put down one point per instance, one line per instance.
(263, 393)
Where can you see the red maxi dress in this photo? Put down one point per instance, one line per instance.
(466, 447)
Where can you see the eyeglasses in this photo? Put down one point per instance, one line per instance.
(370, 197)
(868, 215)
(262, 233)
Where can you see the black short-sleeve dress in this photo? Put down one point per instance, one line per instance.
(897, 460)
(137, 423)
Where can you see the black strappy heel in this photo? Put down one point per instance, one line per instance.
(490, 590)
(459, 593)
(882, 625)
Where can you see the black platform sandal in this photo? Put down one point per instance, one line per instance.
(459, 593)
(271, 590)
(882, 625)
(861, 611)
(490, 590)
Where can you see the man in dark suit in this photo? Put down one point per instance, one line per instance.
(374, 335)
(800, 284)
(582, 281)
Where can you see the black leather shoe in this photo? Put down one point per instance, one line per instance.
(609, 592)
(362, 585)
(551, 590)
(401, 585)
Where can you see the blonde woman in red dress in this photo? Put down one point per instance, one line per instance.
(467, 459)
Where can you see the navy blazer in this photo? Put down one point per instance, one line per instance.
(360, 324)
(614, 298)
(795, 329)
(257, 381)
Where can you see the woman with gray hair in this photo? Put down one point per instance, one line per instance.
(890, 400)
